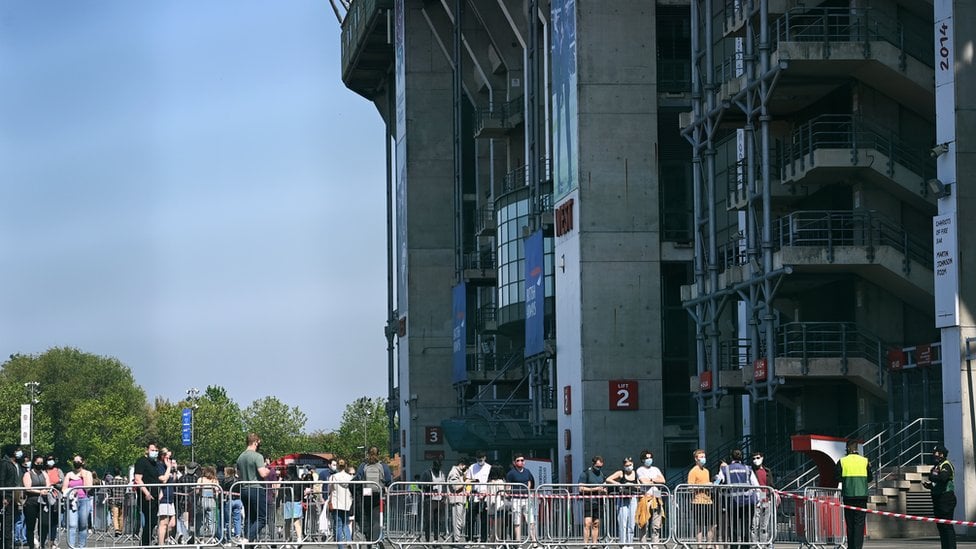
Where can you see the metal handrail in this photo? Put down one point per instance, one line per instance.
(832, 228)
(486, 217)
(848, 131)
(483, 260)
(519, 176)
(829, 339)
(354, 25)
(831, 25)
(504, 113)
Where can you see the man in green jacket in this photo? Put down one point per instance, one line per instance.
(853, 472)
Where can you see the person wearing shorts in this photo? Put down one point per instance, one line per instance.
(593, 492)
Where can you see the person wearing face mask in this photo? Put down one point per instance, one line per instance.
(626, 501)
(35, 488)
(943, 494)
(20, 526)
(703, 509)
(74, 487)
(477, 475)
(762, 520)
(50, 513)
(434, 504)
(593, 491)
(648, 473)
(146, 480)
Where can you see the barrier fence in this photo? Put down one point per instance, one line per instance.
(289, 514)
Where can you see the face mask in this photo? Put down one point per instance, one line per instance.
(38, 465)
(78, 464)
(701, 461)
(481, 461)
(50, 463)
(18, 454)
(648, 462)
(153, 454)
(334, 467)
(596, 470)
(628, 468)
(757, 461)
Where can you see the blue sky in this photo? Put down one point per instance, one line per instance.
(187, 186)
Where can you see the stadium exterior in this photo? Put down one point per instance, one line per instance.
(621, 224)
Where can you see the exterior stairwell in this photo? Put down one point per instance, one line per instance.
(901, 491)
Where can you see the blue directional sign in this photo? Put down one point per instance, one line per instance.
(187, 426)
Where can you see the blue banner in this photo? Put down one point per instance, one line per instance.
(535, 295)
(460, 338)
(187, 426)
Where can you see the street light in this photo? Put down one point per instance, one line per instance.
(33, 392)
(192, 397)
(365, 402)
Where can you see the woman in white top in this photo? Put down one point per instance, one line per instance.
(340, 501)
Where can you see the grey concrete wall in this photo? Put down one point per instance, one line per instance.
(425, 352)
(619, 267)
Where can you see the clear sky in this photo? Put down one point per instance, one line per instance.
(187, 186)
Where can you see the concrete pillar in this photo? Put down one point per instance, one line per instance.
(954, 80)
(425, 239)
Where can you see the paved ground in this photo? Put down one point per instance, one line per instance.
(911, 543)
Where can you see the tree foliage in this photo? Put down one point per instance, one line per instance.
(71, 384)
(281, 428)
(91, 405)
(363, 424)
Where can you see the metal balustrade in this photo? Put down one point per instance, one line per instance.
(855, 133)
(506, 114)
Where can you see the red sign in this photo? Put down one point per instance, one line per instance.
(923, 355)
(705, 381)
(567, 400)
(896, 359)
(433, 435)
(567, 439)
(760, 369)
(564, 218)
(568, 469)
(623, 394)
(433, 454)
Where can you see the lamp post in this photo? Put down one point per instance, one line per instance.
(192, 397)
(33, 392)
(365, 402)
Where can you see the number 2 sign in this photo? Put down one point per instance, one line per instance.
(623, 394)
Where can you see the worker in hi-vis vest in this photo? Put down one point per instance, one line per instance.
(853, 472)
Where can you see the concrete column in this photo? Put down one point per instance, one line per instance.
(426, 254)
(958, 378)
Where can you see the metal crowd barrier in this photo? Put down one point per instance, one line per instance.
(477, 515)
(734, 515)
(628, 514)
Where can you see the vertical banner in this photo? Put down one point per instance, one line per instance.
(459, 338)
(186, 428)
(946, 250)
(401, 157)
(25, 424)
(535, 295)
(565, 98)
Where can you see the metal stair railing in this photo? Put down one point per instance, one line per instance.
(890, 447)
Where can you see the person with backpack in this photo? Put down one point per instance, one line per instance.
(377, 477)
(739, 503)
(593, 492)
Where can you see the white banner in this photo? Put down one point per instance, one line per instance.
(25, 424)
(946, 269)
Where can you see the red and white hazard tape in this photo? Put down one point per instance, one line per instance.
(837, 503)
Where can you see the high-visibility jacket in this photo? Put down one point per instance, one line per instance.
(854, 473)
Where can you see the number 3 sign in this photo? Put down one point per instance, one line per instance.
(433, 435)
(623, 394)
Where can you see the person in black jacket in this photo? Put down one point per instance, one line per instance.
(10, 477)
(943, 495)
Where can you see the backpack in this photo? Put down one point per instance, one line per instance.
(373, 472)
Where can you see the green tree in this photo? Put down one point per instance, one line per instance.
(363, 424)
(218, 427)
(281, 428)
(70, 379)
(104, 433)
